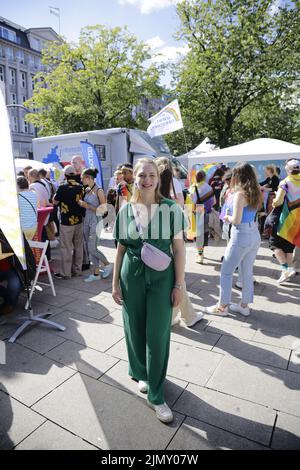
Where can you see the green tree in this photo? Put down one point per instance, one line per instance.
(242, 54)
(94, 84)
(274, 115)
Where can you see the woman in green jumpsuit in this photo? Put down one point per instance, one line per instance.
(147, 295)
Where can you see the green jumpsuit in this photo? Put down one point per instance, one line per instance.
(147, 308)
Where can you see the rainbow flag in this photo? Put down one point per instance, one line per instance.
(125, 190)
(289, 224)
(209, 169)
(195, 216)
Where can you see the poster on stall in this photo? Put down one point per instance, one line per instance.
(9, 206)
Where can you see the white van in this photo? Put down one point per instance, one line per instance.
(114, 146)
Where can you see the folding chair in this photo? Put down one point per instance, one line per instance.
(42, 214)
(42, 267)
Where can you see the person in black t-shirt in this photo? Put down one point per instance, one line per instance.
(216, 182)
(71, 226)
(271, 182)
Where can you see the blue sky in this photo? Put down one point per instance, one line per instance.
(154, 20)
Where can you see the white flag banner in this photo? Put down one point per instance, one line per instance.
(54, 11)
(9, 204)
(166, 121)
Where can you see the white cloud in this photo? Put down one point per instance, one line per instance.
(155, 43)
(147, 6)
(170, 53)
(162, 53)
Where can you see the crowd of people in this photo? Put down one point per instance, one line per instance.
(150, 236)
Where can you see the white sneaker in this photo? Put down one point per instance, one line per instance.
(107, 270)
(143, 386)
(291, 273)
(198, 317)
(200, 259)
(176, 321)
(284, 276)
(237, 308)
(163, 412)
(215, 310)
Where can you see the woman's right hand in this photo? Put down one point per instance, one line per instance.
(117, 295)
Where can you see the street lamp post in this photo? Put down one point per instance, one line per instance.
(19, 106)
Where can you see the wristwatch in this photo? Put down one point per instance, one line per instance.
(177, 286)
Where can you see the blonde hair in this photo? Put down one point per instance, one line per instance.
(136, 193)
(162, 163)
(271, 168)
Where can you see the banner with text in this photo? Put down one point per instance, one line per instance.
(9, 204)
(166, 121)
(92, 160)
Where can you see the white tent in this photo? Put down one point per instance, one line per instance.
(257, 150)
(204, 147)
(20, 163)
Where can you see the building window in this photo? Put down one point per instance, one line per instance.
(25, 126)
(2, 73)
(13, 98)
(24, 98)
(8, 34)
(100, 149)
(12, 76)
(23, 79)
(14, 122)
(36, 44)
(37, 62)
(20, 56)
(32, 82)
(10, 53)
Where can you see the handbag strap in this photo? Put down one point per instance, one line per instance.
(173, 188)
(137, 222)
(205, 197)
(198, 195)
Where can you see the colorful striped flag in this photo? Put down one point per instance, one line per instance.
(209, 169)
(289, 224)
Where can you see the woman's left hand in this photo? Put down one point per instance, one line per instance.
(83, 204)
(176, 296)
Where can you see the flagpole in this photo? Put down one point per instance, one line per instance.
(186, 147)
(56, 13)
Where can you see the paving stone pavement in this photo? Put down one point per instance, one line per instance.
(233, 382)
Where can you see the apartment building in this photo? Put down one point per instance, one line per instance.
(20, 60)
(150, 106)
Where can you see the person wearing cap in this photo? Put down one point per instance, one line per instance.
(67, 197)
(78, 163)
(289, 188)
